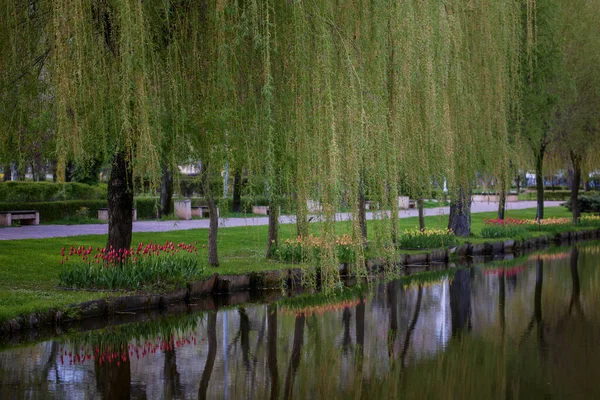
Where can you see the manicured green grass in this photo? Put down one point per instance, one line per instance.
(29, 268)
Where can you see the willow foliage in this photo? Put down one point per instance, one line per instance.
(320, 100)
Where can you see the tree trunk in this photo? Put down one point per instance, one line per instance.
(296, 355)
(272, 351)
(213, 257)
(236, 204)
(166, 192)
(502, 203)
(460, 302)
(460, 213)
(7, 172)
(362, 214)
(120, 204)
(273, 236)
(211, 356)
(539, 184)
(421, 214)
(576, 172)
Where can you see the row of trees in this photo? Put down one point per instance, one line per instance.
(315, 99)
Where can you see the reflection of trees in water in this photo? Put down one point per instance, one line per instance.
(393, 331)
(113, 378)
(296, 354)
(575, 304)
(346, 339)
(460, 302)
(171, 375)
(212, 353)
(411, 327)
(272, 350)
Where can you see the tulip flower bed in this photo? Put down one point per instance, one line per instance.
(427, 239)
(151, 266)
(303, 249)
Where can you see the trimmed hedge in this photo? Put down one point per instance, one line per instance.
(562, 195)
(57, 210)
(28, 192)
(587, 204)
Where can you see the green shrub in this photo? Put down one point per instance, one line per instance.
(427, 239)
(587, 203)
(27, 192)
(562, 195)
(498, 231)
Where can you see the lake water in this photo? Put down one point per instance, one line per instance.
(525, 328)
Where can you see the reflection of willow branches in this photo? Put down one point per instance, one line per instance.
(296, 355)
(210, 358)
(536, 319)
(411, 328)
(272, 350)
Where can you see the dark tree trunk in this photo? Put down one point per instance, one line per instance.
(236, 204)
(575, 293)
(296, 355)
(171, 375)
(502, 203)
(421, 214)
(272, 351)
(273, 235)
(113, 378)
(393, 331)
(69, 171)
(210, 357)
(576, 181)
(362, 214)
(460, 213)
(460, 302)
(518, 182)
(120, 204)
(7, 173)
(245, 336)
(213, 257)
(539, 184)
(166, 192)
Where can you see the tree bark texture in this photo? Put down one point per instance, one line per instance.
(502, 203)
(213, 257)
(460, 213)
(120, 203)
(421, 214)
(362, 214)
(539, 184)
(576, 181)
(166, 192)
(273, 235)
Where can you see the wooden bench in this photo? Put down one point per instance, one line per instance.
(27, 217)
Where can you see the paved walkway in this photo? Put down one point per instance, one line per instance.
(50, 231)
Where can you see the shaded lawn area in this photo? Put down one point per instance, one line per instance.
(29, 268)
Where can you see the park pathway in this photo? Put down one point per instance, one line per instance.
(50, 231)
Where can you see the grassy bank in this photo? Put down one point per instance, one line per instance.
(29, 268)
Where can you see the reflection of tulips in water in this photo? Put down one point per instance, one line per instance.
(505, 271)
(549, 257)
(118, 353)
(320, 309)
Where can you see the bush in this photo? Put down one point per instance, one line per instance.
(498, 231)
(427, 239)
(309, 248)
(587, 204)
(562, 195)
(27, 192)
(154, 266)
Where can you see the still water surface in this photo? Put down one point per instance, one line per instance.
(527, 328)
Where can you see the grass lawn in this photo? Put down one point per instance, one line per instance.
(29, 268)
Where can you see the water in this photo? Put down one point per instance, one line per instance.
(527, 328)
